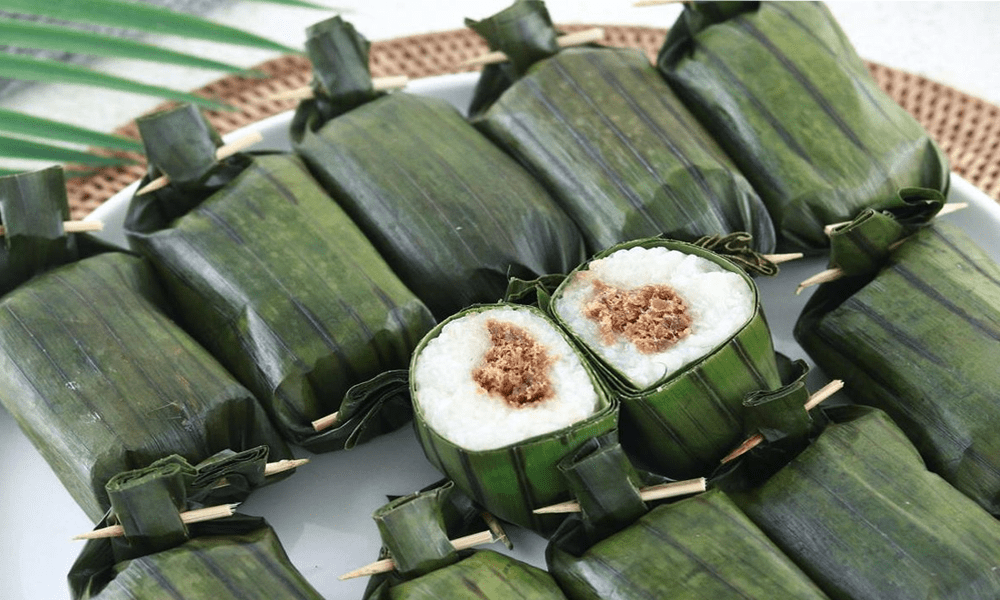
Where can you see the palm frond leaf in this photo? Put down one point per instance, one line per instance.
(143, 17)
(25, 149)
(116, 13)
(301, 3)
(21, 124)
(40, 36)
(27, 68)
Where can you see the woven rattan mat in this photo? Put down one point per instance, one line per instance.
(967, 128)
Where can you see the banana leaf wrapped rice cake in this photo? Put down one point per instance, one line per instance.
(608, 138)
(857, 510)
(94, 370)
(417, 535)
(782, 90)
(619, 548)
(275, 279)
(500, 396)
(678, 334)
(914, 329)
(235, 558)
(32, 212)
(452, 214)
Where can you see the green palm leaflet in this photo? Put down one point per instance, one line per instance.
(608, 138)
(92, 366)
(682, 425)
(144, 17)
(277, 282)
(860, 514)
(234, 558)
(700, 547)
(917, 336)
(513, 480)
(782, 90)
(452, 214)
(416, 535)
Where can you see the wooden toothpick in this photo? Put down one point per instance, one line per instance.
(281, 466)
(325, 422)
(191, 516)
(947, 209)
(642, 3)
(648, 494)
(783, 258)
(221, 153)
(822, 277)
(273, 469)
(755, 440)
(499, 535)
(835, 273)
(577, 38)
(380, 84)
(73, 227)
(387, 564)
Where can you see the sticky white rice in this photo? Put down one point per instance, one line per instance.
(454, 405)
(720, 303)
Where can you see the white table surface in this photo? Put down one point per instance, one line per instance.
(950, 42)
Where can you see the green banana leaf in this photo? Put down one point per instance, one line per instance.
(33, 208)
(452, 214)
(92, 367)
(608, 139)
(917, 337)
(860, 514)
(782, 90)
(681, 426)
(238, 557)
(700, 547)
(277, 282)
(416, 532)
(512, 481)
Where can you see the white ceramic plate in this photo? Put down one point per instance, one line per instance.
(322, 514)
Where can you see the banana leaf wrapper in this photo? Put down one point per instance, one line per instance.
(681, 426)
(916, 334)
(101, 380)
(700, 547)
(238, 557)
(608, 138)
(416, 534)
(616, 548)
(451, 213)
(782, 90)
(510, 482)
(860, 514)
(32, 210)
(278, 283)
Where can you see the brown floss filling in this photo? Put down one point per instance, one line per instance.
(652, 317)
(516, 367)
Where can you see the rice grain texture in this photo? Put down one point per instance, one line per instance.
(554, 392)
(716, 304)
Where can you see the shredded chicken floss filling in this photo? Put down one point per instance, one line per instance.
(516, 367)
(652, 317)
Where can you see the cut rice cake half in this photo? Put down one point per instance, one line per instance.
(678, 332)
(650, 312)
(500, 396)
